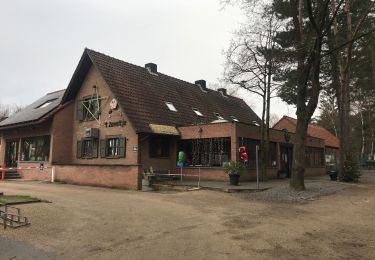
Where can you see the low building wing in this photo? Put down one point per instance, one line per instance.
(35, 111)
(290, 124)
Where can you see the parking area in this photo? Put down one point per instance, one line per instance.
(82, 222)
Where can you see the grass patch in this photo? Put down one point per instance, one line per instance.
(17, 199)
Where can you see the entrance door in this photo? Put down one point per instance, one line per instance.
(11, 153)
(286, 155)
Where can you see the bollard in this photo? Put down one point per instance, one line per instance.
(53, 174)
(3, 166)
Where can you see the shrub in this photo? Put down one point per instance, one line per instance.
(233, 167)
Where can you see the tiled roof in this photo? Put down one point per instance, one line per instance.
(142, 95)
(35, 111)
(313, 131)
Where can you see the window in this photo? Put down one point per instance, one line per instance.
(255, 123)
(47, 103)
(35, 148)
(87, 148)
(314, 156)
(208, 152)
(234, 119)
(171, 107)
(197, 112)
(159, 147)
(88, 109)
(113, 147)
(272, 160)
(250, 145)
(219, 117)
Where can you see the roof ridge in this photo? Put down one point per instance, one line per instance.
(159, 73)
(53, 92)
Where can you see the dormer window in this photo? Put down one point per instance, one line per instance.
(197, 112)
(234, 119)
(219, 117)
(171, 107)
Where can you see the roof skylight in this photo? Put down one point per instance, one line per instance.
(46, 104)
(219, 116)
(234, 119)
(171, 107)
(197, 112)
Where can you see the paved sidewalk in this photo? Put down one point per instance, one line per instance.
(222, 185)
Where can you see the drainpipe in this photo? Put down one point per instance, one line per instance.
(3, 166)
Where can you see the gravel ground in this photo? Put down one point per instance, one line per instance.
(281, 192)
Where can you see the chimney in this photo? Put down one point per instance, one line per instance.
(201, 83)
(223, 91)
(152, 67)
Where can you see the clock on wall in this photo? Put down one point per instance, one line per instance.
(114, 104)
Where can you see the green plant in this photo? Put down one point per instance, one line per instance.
(234, 168)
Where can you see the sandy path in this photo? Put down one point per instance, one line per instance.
(98, 223)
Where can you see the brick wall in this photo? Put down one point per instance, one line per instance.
(94, 78)
(128, 177)
(158, 164)
(62, 135)
(31, 171)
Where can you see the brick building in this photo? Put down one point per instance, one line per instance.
(116, 120)
(331, 142)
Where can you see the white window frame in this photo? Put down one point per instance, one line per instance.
(46, 104)
(170, 106)
(197, 112)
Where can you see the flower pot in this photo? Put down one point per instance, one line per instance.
(333, 176)
(234, 179)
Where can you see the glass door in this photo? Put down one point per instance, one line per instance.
(11, 153)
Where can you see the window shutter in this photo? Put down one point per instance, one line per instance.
(79, 111)
(79, 149)
(94, 148)
(122, 147)
(103, 148)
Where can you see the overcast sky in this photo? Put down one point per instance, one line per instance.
(42, 41)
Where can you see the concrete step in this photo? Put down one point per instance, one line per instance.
(12, 174)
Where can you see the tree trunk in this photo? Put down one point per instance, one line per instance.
(263, 152)
(297, 180)
(344, 99)
(363, 134)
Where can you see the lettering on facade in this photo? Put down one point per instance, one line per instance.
(114, 124)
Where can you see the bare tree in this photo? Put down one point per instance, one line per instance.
(8, 110)
(251, 64)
